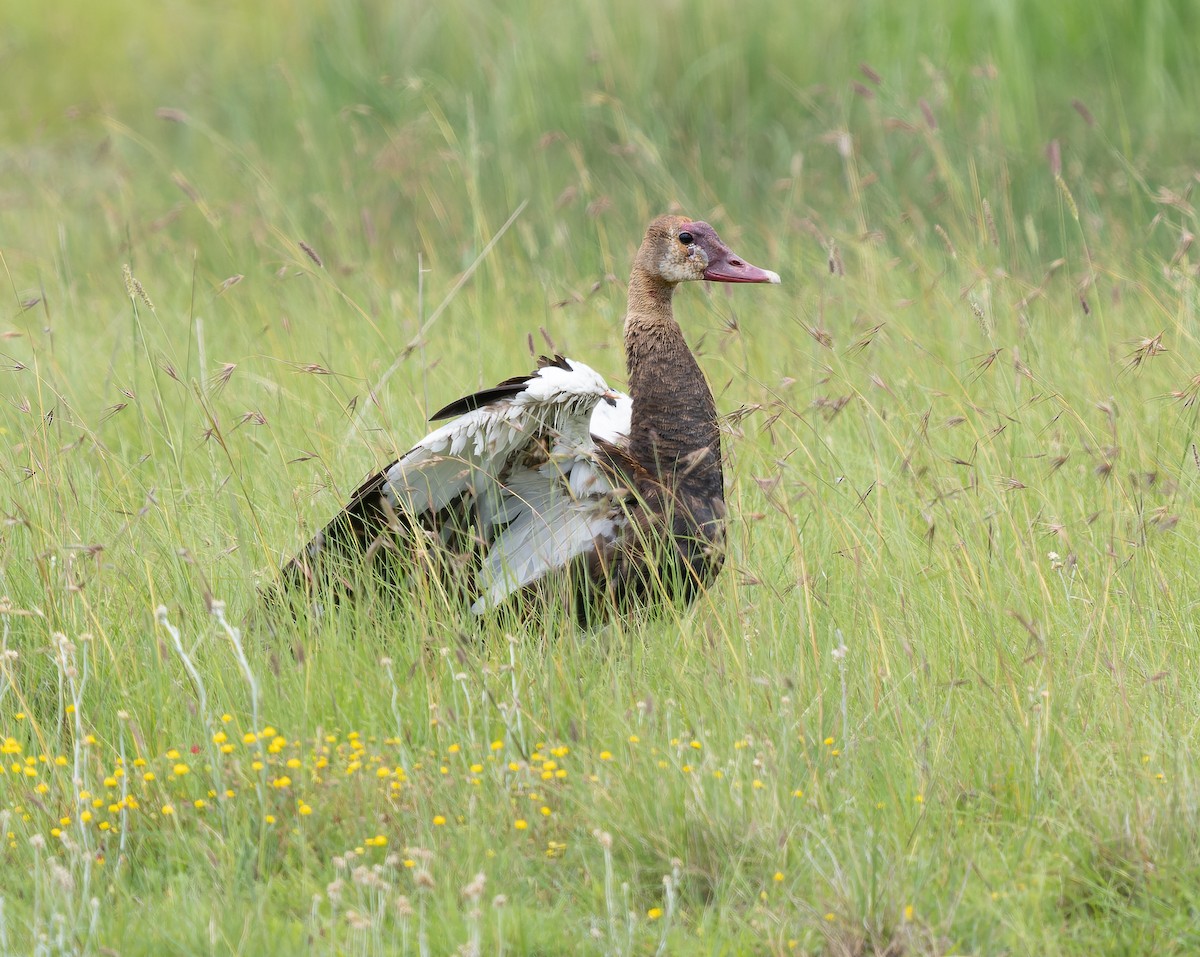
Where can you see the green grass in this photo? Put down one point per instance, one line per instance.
(961, 375)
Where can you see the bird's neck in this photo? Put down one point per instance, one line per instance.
(674, 432)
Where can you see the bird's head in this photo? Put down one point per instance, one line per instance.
(677, 249)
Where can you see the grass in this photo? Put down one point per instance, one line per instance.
(943, 699)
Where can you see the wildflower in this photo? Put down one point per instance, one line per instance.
(180, 769)
(474, 890)
(172, 755)
(270, 818)
(778, 877)
(908, 912)
(220, 737)
(520, 824)
(828, 742)
(304, 809)
(148, 776)
(167, 810)
(654, 913)
(497, 745)
(438, 820)
(605, 755)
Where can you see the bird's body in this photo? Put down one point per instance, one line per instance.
(555, 478)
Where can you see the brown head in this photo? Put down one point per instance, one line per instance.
(677, 249)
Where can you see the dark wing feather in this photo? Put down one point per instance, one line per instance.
(502, 390)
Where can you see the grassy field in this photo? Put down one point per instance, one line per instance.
(945, 699)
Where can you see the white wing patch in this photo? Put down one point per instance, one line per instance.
(613, 421)
(536, 512)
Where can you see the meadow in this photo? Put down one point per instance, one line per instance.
(943, 700)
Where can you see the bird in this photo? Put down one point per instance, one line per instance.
(554, 483)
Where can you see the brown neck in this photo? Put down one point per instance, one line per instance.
(674, 431)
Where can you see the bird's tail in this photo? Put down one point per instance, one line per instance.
(332, 562)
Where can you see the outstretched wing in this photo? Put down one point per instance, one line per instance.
(512, 485)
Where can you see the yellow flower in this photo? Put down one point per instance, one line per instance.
(438, 820)
(181, 769)
(305, 809)
(167, 810)
(85, 816)
(605, 755)
(545, 811)
(270, 818)
(497, 745)
(634, 739)
(249, 737)
(778, 877)
(172, 754)
(908, 912)
(148, 776)
(293, 763)
(220, 737)
(226, 718)
(697, 745)
(828, 742)
(283, 781)
(199, 804)
(654, 913)
(520, 824)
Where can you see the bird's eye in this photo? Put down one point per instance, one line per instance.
(687, 238)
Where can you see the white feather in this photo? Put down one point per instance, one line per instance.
(612, 420)
(543, 515)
